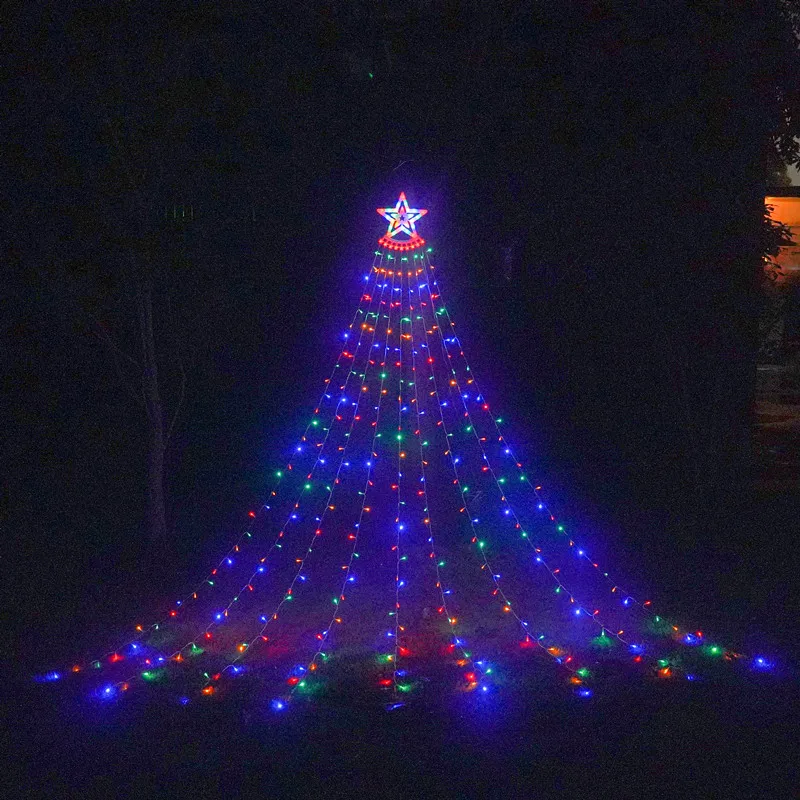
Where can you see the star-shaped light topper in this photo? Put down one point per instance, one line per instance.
(402, 220)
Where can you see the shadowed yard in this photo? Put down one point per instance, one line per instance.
(528, 740)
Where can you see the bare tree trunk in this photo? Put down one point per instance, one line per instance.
(155, 513)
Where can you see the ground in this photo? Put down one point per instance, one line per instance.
(777, 445)
(732, 736)
(729, 738)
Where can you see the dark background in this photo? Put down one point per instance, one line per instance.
(594, 175)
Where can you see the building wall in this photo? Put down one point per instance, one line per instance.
(787, 211)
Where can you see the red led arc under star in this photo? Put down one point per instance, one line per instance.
(402, 221)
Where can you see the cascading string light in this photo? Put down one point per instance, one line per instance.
(399, 524)
(142, 630)
(486, 456)
(221, 616)
(371, 460)
(517, 464)
(295, 506)
(385, 658)
(554, 652)
(456, 641)
(324, 636)
(315, 536)
(628, 599)
(508, 509)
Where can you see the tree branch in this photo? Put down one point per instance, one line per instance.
(106, 336)
(142, 312)
(116, 351)
(180, 398)
(181, 367)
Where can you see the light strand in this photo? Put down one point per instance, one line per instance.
(628, 599)
(507, 506)
(253, 516)
(456, 642)
(398, 522)
(310, 548)
(485, 565)
(324, 636)
(205, 635)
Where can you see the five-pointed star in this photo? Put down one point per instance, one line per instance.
(401, 217)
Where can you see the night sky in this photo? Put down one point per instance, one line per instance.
(592, 177)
